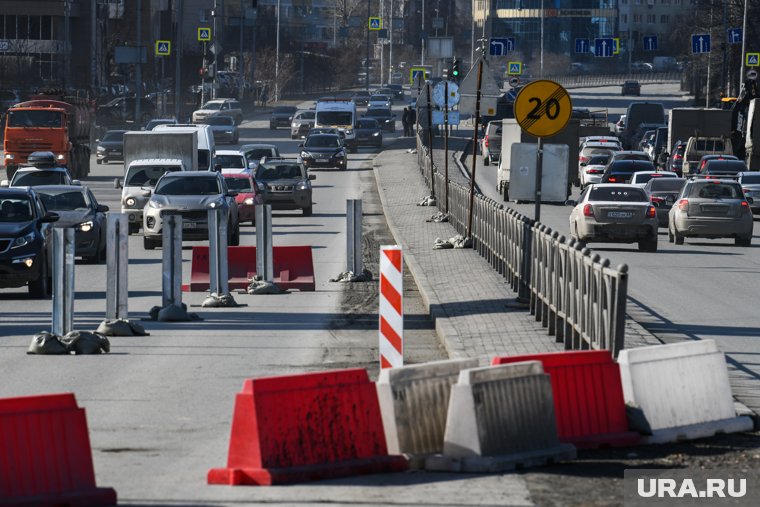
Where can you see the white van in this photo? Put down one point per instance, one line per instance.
(341, 114)
(206, 145)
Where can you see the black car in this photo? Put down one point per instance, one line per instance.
(621, 171)
(24, 241)
(286, 185)
(397, 89)
(369, 132)
(384, 117)
(111, 147)
(662, 193)
(121, 110)
(723, 168)
(675, 161)
(361, 98)
(324, 150)
(282, 116)
(631, 88)
(76, 207)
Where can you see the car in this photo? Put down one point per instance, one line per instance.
(750, 182)
(122, 110)
(621, 171)
(641, 178)
(591, 149)
(675, 161)
(32, 177)
(111, 147)
(611, 141)
(139, 181)
(219, 107)
(711, 209)
(77, 207)
(361, 98)
(705, 158)
(490, 143)
(159, 121)
(302, 122)
(191, 193)
(255, 152)
(630, 87)
(248, 196)
(662, 194)
(223, 128)
(324, 150)
(722, 169)
(384, 90)
(286, 184)
(641, 67)
(620, 125)
(591, 171)
(396, 91)
(384, 117)
(282, 116)
(369, 132)
(646, 140)
(25, 241)
(233, 160)
(614, 213)
(380, 101)
(630, 155)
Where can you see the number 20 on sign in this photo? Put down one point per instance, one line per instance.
(543, 108)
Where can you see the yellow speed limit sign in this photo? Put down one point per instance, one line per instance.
(543, 108)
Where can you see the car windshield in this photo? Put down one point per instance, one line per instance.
(15, 209)
(154, 123)
(380, 98)
(239, 184)
(715, 190)
(189, 186)
(725, 166)
(279, 172)
(322, 141)
(709, 145)
(366, 124)
(378, 112)
(666, 184)
(643, 178)
(589, 152)
(35, 178)
(64, 200)
(618, 194)
(219, 120)
(751, 179)
(231, 161)
(632, 156)
(628, 167)
(113, 136)
(146, 175)
(599, 159)
(306, 115)
(335, 117)
(35, 118)
(212, 106)
(258, 153)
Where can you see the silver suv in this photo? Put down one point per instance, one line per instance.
(285, 184)
(192, 194)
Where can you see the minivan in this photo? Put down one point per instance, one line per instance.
(206, 145)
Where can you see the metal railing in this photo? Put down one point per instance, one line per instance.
(573, 292)
(585, 80)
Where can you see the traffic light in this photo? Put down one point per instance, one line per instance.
(455, 70)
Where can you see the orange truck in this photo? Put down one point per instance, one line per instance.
(50, 123)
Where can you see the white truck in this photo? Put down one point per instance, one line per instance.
(340, 114)
(686, 122)
(511, 133)
(147, 156)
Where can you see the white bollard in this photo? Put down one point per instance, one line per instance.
(63, 280)
(217, 238)
(171, 260)
(391, 307)
(264, 261)
(117, 261)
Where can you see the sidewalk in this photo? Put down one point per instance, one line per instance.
(474, 309)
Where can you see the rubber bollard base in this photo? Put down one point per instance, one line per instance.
(701, 430)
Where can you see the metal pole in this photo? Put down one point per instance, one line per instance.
(430, 139)
(63, 281)
(178, 64)
(117, 261)
(171, 260)
(744, 44)
(277, 58)
(217, 237)
(93, 46)
(709, 61)
(446, 144)
(390, 48)
(366, 61)
(264, 260)
(541, 68)
(380, 43)
(422, 52)
(354, 235)
(539, 178)
(724, 67)
(138, 67)
(476, 122)
(67, 44)
(241, 61)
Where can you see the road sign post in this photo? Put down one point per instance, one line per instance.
(475, 124)
(430, 139)
(171, 259)
(354, 254)
(542, 108)
(264, 261)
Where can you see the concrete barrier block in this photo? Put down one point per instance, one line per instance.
(500, 417)
(681, 390)
(414, 401)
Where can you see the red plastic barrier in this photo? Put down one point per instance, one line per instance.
(45, 456)
(293, 268)
(306, 427)
(588, 397)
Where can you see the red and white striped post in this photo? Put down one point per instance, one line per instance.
(391, 307)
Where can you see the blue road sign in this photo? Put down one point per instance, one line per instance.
(501, 46)
(604, 47)
(650, 42)
(734, 35)
(582, 45)
(700, 43)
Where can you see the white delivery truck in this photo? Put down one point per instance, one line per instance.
(147, 156)
(511, 134)
(340, 114)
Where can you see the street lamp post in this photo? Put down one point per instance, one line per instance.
(277, 58)
(66, 44)
(744, 43)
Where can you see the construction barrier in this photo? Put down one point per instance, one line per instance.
(414, 401)
(680, 391)
(499, 418)
(45, 455)
(306, 427)
(588, 397)
(293, 268)
(391, 329)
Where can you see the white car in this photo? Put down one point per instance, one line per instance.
(592, 171)
(219, 107)
(591, 149)
(641, 178)
(231, 160)
(605, 140)
(620, 125)
(379, 101)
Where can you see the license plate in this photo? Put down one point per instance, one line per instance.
(620, 214)
(188, 225)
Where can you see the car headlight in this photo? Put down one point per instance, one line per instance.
(155, 204)
(376, 134)
(86, 226)
(290, 118)
(349, 132)
(61, 156)
(248, 201)
(9, 156)
(218, 203)
(100, 148)
(305, 154)
(340, 154)
(23, 240)
(302, 185)
(26, 260)
(130, 202)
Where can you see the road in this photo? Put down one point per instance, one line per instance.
(702, 289)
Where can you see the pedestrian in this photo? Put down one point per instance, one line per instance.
(405, 122)
(662, 160)
(412, 120)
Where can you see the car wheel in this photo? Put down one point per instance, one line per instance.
(149, 244)
(670, 236)
(486, 161)
(39, 288)
(505, 191)
(238, 120)
(649, 244)
(678, 238)
(307, 211)
(743, 241)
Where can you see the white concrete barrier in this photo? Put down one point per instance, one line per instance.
(414, 401)
(500, 417)
(680, 391)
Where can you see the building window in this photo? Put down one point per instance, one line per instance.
(664, 19)
(637, 18)
(624, 18)
(651, 18)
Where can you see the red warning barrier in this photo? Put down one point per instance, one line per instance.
(306, 427)
(293, 268)
(588, 397)
(45, 456)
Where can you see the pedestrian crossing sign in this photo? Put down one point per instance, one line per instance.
(616, 45)
(204, 34)
(752, 60)
(514, 69)
(163, 48)
(375, 23)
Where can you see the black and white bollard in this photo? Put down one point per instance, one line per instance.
(63, 281)
(218, 265)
